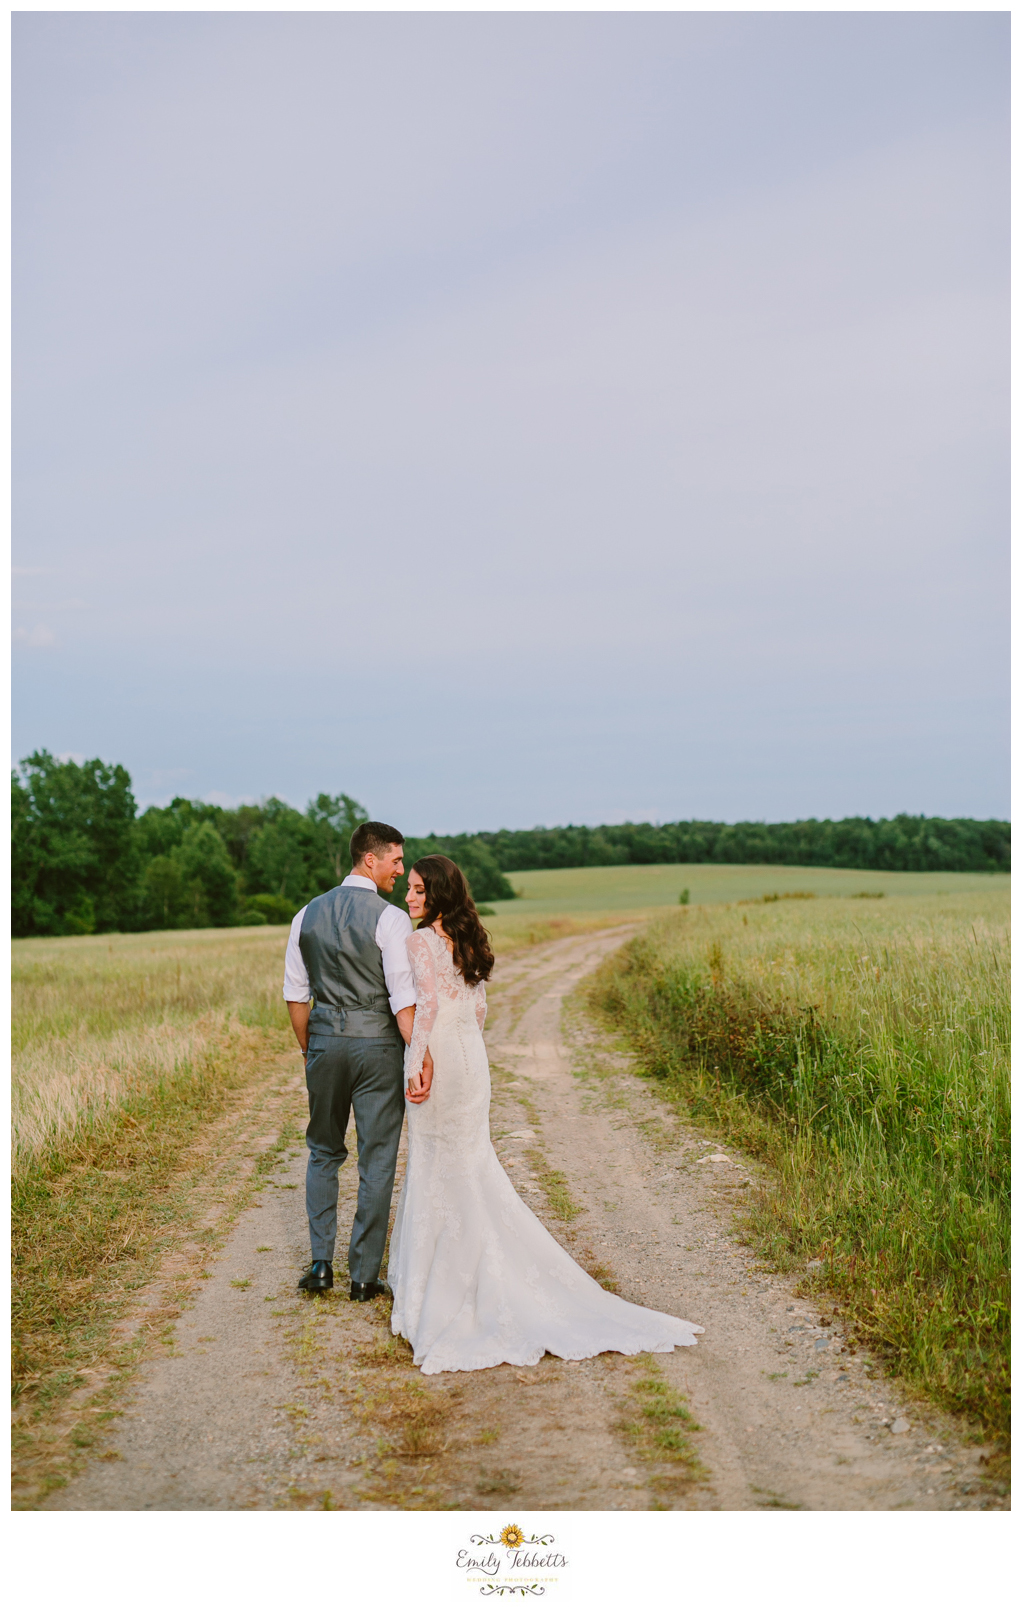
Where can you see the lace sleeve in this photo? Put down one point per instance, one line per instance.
(480, 1003)
(424, 974)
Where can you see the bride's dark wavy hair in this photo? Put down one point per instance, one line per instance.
(448, 897)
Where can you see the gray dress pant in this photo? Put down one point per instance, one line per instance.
(364, 1076)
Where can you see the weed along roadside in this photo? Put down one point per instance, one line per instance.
(861, 1051)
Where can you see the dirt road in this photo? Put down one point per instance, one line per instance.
(266, 1399)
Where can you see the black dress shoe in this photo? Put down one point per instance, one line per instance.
(368, 1291)
(319, 1277)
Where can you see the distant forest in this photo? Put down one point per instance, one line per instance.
(84, 860)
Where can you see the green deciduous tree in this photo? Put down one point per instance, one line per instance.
(162, 900)
(75, 860)
(209, 880)
(280, 855)
(333, 820)
(193, 885)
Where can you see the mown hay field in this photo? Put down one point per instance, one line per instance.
(861, 1048)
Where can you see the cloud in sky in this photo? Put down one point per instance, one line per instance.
(38, 636)
(512, 417)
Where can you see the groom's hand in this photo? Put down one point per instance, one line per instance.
(300, 1023)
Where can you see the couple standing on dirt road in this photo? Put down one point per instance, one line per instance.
(477, 1280)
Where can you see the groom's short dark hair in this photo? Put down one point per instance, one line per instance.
(373, 837)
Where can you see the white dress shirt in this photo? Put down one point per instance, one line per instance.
(393, 928)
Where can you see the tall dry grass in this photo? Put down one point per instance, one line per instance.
(863, 1049)
(98, 1021)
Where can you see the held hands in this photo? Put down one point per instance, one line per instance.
(419, 1087)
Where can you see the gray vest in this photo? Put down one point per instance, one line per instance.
(346, 968)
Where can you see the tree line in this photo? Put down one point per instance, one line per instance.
(85, 860)
(907, 842)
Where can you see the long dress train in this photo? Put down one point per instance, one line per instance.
(477, 1279)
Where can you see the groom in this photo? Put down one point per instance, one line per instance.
(349, 989)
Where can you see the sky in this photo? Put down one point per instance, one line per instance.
(515, 419)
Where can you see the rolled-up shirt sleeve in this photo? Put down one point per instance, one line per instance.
(296, 978)
(393, 930)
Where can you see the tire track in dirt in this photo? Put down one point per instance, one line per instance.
(269, 1399)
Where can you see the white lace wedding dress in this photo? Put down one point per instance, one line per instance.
(477, 1279)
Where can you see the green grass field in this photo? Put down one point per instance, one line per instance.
(619, 891)
(861, 1048)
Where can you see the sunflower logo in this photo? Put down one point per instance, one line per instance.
(512, 1536)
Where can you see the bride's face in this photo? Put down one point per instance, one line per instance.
(416, 897)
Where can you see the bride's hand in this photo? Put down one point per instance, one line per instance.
(427, 1074)
(418, 1088)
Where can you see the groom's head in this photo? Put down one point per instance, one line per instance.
(376, 852)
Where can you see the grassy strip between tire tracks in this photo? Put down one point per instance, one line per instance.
(863, 1053)
(656, 1424)
(654, 1418)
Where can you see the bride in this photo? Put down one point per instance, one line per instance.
(477, 1279)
